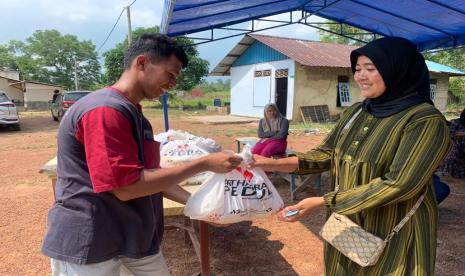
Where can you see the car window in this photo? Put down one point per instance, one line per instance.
(74, 96)
(4, 98)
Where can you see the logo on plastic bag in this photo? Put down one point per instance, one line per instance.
(248, 175)
(182, 150)
(250, 187)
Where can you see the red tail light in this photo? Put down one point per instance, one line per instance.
(8, 104)
(67, 104)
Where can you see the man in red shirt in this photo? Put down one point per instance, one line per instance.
(108, 212)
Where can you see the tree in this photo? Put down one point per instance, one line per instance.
(47, 56)
(336, 31)
(113, 64)
(7, 59)
(114, 58)
(189, 78)
(197, 68)
(216, 85)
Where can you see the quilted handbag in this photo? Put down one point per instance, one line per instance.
(352, 240)
(356, 243)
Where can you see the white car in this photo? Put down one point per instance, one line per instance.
(8, 113)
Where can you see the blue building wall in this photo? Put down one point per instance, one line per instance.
(258, 53)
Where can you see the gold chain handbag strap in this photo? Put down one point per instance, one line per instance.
(406, 218)
(409, 214)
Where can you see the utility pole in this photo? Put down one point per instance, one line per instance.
(76, 76)
(128, 12)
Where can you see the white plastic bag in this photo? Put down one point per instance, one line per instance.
(207, 144)
(172, 135)
(178, 152)
(179, 147)
(235, 196)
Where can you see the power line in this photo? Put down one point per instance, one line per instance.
(108, 36)
(132, 3)
(114, 26)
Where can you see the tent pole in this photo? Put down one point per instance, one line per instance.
(164, 101)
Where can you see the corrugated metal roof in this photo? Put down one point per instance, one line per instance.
(305, 52)
(308, 53)
(441, 68)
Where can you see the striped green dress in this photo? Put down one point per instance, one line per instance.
(384, 165)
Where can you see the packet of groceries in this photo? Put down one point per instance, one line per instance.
(179, 147)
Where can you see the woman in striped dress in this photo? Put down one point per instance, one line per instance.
(383, 161)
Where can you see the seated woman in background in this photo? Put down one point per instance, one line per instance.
(272, 131)
(454, 163)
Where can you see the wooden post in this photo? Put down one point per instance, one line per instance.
(204, 250)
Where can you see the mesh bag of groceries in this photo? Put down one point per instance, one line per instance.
(179, 151)
(178, 147)
(236, 196)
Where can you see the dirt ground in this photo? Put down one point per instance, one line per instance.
(265, 247)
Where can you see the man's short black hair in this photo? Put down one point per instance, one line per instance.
(156, 47)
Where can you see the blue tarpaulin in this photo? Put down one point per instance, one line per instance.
(431, 24)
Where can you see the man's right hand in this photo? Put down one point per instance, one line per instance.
(221, 162)
(160, 180)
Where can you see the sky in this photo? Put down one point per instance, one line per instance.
(93, 20)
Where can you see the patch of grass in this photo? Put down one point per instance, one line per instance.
(451, 115)
(34, 113)
(246, 132)
(453, 111)
(36, 146)
(188, 102)
(223, 95)
(322, 127)
(240, 133)
(152, 113)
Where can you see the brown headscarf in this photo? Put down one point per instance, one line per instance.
(272, 124)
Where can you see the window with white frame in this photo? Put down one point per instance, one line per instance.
(433, 89)
(343, 91)
(261, 87)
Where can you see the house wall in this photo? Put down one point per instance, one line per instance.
(306, 86)
(11, 74)
(13, 93)
(440, 102)
(318, 86)
(242, 85)
(37, 95)
(259, 53)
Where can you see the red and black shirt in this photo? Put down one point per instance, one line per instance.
(104, 142)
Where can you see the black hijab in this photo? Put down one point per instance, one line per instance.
(404, 73)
